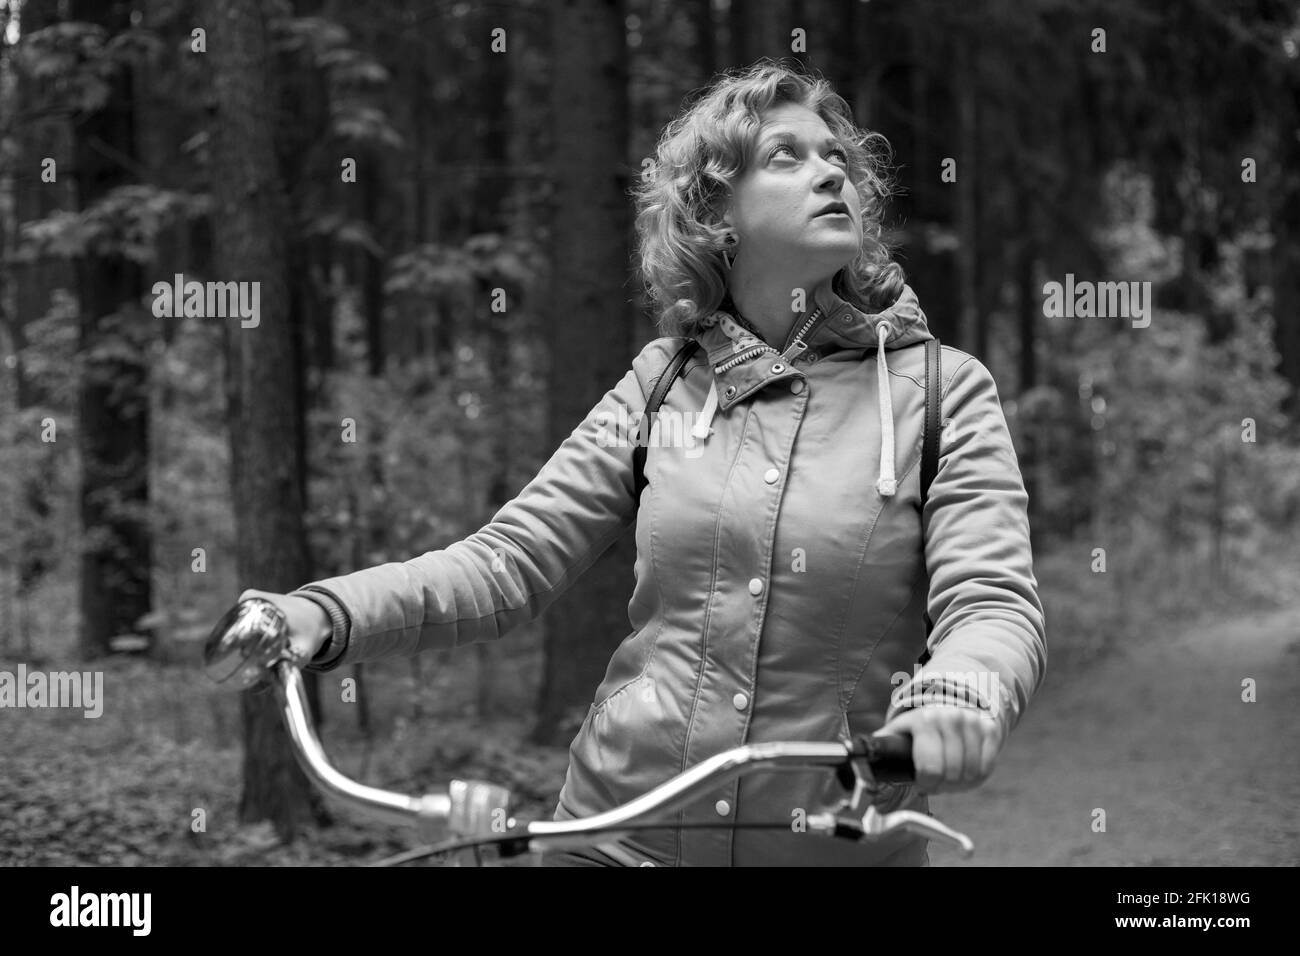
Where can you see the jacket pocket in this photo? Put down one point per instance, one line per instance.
(619, 691)
(624, 660)
(630, 743)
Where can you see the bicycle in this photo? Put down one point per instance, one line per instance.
(250, 646)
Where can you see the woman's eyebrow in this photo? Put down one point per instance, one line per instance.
(788, 137)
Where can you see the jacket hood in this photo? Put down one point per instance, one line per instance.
(831, 324)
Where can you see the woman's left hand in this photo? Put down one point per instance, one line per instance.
(954, 748)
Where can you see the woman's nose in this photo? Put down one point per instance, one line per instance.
(832, 176)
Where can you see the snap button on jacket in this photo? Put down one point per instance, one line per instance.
(780, 572)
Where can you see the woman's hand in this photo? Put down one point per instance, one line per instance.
(309, 625)
(953, 748)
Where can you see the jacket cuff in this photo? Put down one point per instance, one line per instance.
(331, 652)
(925, 690)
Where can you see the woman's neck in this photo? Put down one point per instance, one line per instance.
(766, 304)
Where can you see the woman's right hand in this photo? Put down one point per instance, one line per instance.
(309, 625)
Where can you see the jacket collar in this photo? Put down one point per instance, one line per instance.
(841, 328)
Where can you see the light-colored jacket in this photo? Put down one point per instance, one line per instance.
(780, 572)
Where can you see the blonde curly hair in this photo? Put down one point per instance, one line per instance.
(700, 154)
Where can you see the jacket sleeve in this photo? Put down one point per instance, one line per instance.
(512, 568)
(989, 642)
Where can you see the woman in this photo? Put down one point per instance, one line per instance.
(781, 553)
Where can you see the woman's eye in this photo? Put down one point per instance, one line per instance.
(844, 156)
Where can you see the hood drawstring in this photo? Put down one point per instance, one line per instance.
(741, 339)
(885, 484)
(704, 426)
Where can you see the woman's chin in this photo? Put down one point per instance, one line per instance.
(829, 259)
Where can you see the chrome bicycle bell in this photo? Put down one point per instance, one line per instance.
(246, 642)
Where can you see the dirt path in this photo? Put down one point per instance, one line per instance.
(1157, 736)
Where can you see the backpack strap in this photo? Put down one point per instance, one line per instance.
(930, 447)
(933, 424)
(657, 394)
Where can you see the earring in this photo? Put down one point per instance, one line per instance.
(731, 241)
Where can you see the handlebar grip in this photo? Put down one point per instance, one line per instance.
(889, 756)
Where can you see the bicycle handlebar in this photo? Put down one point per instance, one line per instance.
(250, 643)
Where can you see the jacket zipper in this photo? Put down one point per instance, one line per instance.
(796, 344)
(749, 353)
(794, 347)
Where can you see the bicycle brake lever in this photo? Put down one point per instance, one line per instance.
(863, 788)
(875, 823)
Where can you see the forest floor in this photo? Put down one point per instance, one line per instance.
(1154, 732)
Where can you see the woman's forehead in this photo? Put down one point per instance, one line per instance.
(792, 117)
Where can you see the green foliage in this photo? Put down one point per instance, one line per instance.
(78, 60)
(1168, 413)
(346, 232)
(427, 435)
(1167, 404)
(190, 478)
(50, 350)
(126, 222)
(482, 261)
(355, 121)
(348, 72)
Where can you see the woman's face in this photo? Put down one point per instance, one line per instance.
(796, 171)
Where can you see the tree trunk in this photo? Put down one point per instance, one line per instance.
(843, 51)
(761, 29)
(704, 36)
(31, 534)
(902, 41)
(263, 374)
(590, 319)
(370, 510)
(968, 333)
(1028, 315)
(113, 399)
(359, 528)
(489, 216)
(1286, 254)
